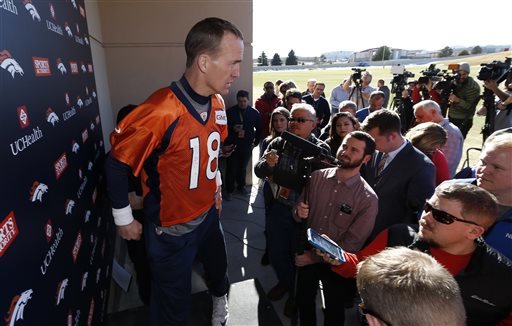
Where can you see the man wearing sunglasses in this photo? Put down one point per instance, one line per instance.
(450, 230)
(284, 163)
(400, 286)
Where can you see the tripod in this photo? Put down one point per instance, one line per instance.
(358, 94)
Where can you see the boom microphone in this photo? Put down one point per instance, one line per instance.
(310, 149)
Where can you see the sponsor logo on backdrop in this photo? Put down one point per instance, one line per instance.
(77, 29)
(92, 126)
(8, 63)
(81, 189)
(60, 165)
(69, 206)
(41, 66)
(77, 246)
(84, 280)
(75, 147)
(67, 29)
(79, 102)
(32, 10)
(93, 250)
(66, 98)
(61, 289)
(51, 252)
(85, 136)
(82, 66)
(61, 67)
(74, 4)
(52, 11)
(90, 165)
(17, 308)
(97, 120)
(89, 68)
(94, 93)
(87, 216)
(23, 116)
(74, 67)
(77, 317)
(52, 117)
(48, 230)
(8, 232)
(37, 191)
(86, 40)
(91, 312)
(9, 6)
(82, 11)
(20, 144)
(69, 113)
(79, 40)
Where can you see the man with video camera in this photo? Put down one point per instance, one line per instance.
(503, 118)
(463, 100)
(284, 162)
(361, 90)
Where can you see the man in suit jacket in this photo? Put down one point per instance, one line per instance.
(402, 176)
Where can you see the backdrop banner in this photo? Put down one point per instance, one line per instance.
(56, 235)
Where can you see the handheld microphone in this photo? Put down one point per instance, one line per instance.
(310, 149)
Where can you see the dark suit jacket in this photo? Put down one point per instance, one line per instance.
(402, 187)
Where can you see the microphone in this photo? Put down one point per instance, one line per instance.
(310, 149)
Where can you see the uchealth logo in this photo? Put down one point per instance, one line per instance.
(8, 63)
(17, 308)
(32, 10)
(69, 206)
(48, 230)
(51, 252)
(61, 67)
(23, 116)
(20, 144)
(8, 232)
(60, 165)
(52, 117)
(77, 246)
(8, 5)
(61, 290)
(37, 191)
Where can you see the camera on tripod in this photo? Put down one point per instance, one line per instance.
(356, 75)
(431, 73)
(495, 70)
(399, 80)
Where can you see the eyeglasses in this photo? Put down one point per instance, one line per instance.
(443, 217)
(299, 120)
(363, 311)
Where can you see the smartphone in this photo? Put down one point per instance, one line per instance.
(324, 245)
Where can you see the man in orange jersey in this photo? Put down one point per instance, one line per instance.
(173, 141)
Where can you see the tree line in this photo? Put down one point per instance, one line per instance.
(383, 53)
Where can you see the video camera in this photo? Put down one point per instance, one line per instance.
(399, 80)
(432, 73)
(495, 70)
(356, 75)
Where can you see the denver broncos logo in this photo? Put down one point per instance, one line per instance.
(37, 191)
(32, 10)
(74, 4)
(86, 40)
(61, 289)
(69, 206)
(61, 67)
(51, 117)
(75, 147)
(84, 70)
(17, 308)
(68, 30)
(8, 63)
(79, 101)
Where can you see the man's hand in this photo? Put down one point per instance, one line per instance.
(218, 200)
(453, 98)
(302, 210)
(131, 231)
(327, 258)
(491, 84)
(307, 258)
(271, 158)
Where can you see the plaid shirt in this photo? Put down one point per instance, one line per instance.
(453, 147)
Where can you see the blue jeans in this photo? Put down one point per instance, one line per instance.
(171, 259)
(282, 231)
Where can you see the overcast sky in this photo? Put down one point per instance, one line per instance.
(313, 27)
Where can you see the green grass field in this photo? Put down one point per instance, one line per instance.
(332, 77)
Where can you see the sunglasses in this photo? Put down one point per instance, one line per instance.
(443, 217)
(363, 311)
(299, 120)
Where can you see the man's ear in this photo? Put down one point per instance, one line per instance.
(475, 232)
(366, 158)
(202, 62)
